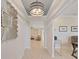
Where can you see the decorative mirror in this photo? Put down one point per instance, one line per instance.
(8, 22)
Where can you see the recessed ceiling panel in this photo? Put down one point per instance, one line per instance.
(47, 4)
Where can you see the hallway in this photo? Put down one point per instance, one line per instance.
(41, 29)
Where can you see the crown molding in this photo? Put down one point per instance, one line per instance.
(19, 12)
(59, 10)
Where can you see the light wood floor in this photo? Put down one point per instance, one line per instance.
(36, 44)
(37, 52)
(64, 52)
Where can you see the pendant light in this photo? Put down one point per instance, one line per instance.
(37, 9)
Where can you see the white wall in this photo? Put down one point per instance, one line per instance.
(42, 42)
(37, 23)
(25, 28)
(14, 49)
(10, 48)
(17, 4)
(51, 29)
(48, 38)
(23, 40)
(63, 37)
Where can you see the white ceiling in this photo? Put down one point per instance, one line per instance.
(47, 4)
(70, 6)
(61, 7)
(71, 9)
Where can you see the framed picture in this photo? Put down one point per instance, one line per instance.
(62, 28)
(74, 28)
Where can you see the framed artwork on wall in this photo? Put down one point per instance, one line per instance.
(74, 28)
(62, 28)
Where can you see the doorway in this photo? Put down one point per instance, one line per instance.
(36, 38)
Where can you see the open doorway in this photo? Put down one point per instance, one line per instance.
(36, 38)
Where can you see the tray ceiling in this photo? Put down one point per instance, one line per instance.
(46, 3)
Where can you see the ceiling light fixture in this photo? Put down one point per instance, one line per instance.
(37, 9)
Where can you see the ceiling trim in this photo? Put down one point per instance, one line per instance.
(18, 10)
(52, 15)
(59, 10)
(55, 7)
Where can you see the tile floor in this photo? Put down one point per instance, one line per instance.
(37, 52)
